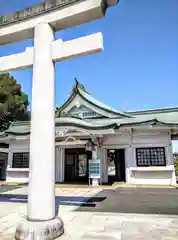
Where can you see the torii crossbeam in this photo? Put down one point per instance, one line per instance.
(60, 51)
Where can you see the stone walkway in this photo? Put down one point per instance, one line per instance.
(89, 225)
(108, 226)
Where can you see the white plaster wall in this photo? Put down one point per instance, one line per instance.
(19, 145)
(104, 165)
(10, 158)
(20, 174)
(128, 163)
(59, 167)
(143, 138)
(163, 177)
(57, 164)
(152, 175)
(117, 141)
(17, 174)
(150, 137)
(170, 161)
(62, 165)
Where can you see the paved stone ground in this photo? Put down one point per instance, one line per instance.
(13, 206)
(134, 200)
(5, 188)
(110, 226)
(96, 224)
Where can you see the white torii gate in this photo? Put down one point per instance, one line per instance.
(41, 220)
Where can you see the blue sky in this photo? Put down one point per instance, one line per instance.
(139, 66)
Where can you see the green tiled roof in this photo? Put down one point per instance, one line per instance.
(170, 119)
(70, 121)
(23, 128)
(19, 128)
(164, 118)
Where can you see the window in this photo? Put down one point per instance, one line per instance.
(150, 156)
(21, 160)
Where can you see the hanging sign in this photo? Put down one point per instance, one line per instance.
(94, 168)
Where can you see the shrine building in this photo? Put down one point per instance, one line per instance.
(133, 147)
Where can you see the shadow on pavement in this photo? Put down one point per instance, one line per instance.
(120, 200)
(60, 200)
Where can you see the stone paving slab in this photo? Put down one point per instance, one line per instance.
(88, 226)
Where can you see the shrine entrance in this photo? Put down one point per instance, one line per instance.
(116, 165)
(76, 165)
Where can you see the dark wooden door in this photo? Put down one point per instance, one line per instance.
(76, 165)
(70, 167)
(120, 164)
(3, 165)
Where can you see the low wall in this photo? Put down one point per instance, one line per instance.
(153, 176)
(17, 175)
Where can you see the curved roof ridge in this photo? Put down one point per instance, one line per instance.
(78, 88)
(100, 104)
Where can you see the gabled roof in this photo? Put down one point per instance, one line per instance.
(79, 89)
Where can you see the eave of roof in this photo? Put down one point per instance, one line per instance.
(75, 122)
(23, 128)
(19, 128)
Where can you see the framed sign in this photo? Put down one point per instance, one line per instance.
(94, 168)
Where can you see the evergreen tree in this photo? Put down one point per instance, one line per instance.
(13, 102)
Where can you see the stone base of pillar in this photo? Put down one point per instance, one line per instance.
(45, 230)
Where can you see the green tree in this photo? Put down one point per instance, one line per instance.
(176, 164)
(13, 102)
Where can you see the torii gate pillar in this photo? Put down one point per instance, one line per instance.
(42, 222)
(42, 137)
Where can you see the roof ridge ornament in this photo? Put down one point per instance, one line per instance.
(76, 81)
(78, 86)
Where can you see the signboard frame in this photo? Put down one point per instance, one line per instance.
(94, 173)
